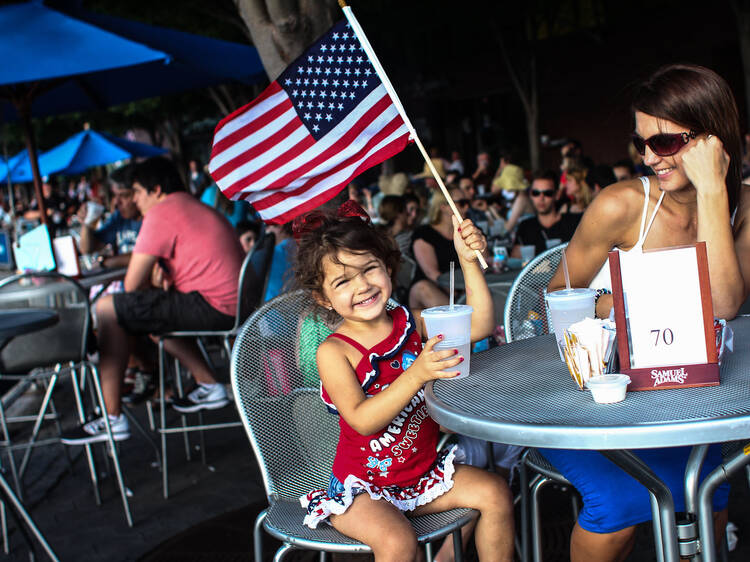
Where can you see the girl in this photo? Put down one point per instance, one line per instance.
(687, 130)
(372, 371)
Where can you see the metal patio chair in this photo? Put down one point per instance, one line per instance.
(43, 358)
(252, 283)
(526, 317)
(292, 434)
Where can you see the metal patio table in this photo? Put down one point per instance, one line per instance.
(521, 393)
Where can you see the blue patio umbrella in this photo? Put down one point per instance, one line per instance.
(77, 154)
(56, 62)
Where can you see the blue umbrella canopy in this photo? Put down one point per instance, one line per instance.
(77, 154)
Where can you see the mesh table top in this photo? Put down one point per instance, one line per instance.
(521, 393)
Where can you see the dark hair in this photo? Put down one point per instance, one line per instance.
(625, 163)
(601, 175)
(123, 176)
(699, 99)
(545, 175)
(351, 234)
(391, 206)
(158, 171)
(247, 226)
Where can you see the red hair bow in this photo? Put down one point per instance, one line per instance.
(303, 225)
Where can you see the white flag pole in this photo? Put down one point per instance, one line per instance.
(397, 102)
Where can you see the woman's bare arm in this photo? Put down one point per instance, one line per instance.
(424, 254)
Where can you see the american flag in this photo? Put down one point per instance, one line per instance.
(325, 120)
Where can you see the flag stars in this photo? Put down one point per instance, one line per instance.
(359, 60)
(310, 105)
(313, 93)
(348, 72)
(335, 36)
(315, 82)
(309, 70)
(307, 116)
(321, 59)
(342, 47)
(324, 48)
(340, 60)
(323, 94)
(337, 71)
(300, 70)
(352, 95)
(344, 35)
(306, 82)
(334, 94)
(328, 117)
(295, 93)
(288, 81)
(357, 72)
(315, 128)
(318, 70)
(368, 71)
(329, 60)
(311, 59)
(318, 117)
(335, 83)
(352, 47)
(324, 82)
(298, 82)
(355, 83)
(345, 83)
(331, 105)
(364, 83)
(321, 105)
(303, 93)
(327, 71)
(341, 106)
(349, 60)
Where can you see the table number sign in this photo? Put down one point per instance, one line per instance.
(664, 317)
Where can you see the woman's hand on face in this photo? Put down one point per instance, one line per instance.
(429, 365)
(467, 238)
(706, 164)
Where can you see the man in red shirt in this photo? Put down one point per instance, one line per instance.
(182, 276)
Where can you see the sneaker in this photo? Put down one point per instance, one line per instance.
(95, 431)
(204, 397)
(143, 387)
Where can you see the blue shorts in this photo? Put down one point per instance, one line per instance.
(614, 500)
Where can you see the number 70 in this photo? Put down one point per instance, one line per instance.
(666, 335)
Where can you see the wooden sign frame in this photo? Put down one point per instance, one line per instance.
(672, 376)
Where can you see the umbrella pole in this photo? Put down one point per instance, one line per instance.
(11, 195)
(24, 111)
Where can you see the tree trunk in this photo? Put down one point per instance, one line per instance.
(282, 29)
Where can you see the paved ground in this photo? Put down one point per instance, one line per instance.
(210, 512)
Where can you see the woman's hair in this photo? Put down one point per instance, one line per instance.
(585, 193)
(437, 202)
(699, 99)
(332, 234)
(391, 206)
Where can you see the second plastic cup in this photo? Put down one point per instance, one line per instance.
(566, 307)
(455, 325)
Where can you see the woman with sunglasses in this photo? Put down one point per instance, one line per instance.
(687, 129)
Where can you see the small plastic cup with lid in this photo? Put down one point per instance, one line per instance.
(608, 389)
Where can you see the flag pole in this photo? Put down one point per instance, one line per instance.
(397, 103)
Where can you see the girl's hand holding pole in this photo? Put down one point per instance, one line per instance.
(468, 239)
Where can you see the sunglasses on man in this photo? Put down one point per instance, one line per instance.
(663, 144)
(545, 192)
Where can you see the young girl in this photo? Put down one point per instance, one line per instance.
(372, 370)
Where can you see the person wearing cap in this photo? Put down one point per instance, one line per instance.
(511, 182)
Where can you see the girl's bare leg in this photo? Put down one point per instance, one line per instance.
(380, 526)
(606, 547)
(489, 494)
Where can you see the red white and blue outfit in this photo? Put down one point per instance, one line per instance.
(398, 463)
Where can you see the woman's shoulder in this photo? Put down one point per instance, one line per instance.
(620, 200)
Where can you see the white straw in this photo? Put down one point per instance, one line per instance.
(453, 284)
(565, 270)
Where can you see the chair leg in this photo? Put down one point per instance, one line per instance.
(282, 552)
(142, 430)
(458, 550)
(82, 419)
(11, 456)
(258, 535)
(38, 423)
(202, 437)
(4, 525)
(523, 474)
(536, 519)
(428, 554)
(163, 419)
(113, 448)
(183, 417)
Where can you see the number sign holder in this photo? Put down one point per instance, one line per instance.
(655, 377)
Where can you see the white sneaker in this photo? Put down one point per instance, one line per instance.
(95, 431)
(204, 397)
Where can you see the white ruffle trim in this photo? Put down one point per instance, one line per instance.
(354, 486)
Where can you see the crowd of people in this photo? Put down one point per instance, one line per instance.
(183, 244)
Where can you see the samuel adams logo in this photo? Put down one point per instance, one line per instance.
(661, 376)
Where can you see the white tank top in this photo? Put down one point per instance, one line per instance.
(602, 279)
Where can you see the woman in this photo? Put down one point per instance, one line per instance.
(432, 245)
(578, 193)
(686, 128)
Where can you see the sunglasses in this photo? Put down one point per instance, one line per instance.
(463, 202)
(546, 192)
(663, 144)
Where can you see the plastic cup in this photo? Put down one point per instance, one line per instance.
(94, 210)
(527, 253)
(566, 307)
(608, 389)
(455, 325)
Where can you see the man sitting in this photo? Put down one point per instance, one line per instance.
(191, 255)
(547, 224)
(120, 231)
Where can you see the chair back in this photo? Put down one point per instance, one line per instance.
(63, 342)
(406, 271)
(254, 277)
(525, 310)
(277, 393)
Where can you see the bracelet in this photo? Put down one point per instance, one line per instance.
(599, 293)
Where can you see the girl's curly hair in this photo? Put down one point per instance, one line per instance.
(330, 235)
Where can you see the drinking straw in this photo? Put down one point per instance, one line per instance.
(453, 284)
(565, 270)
